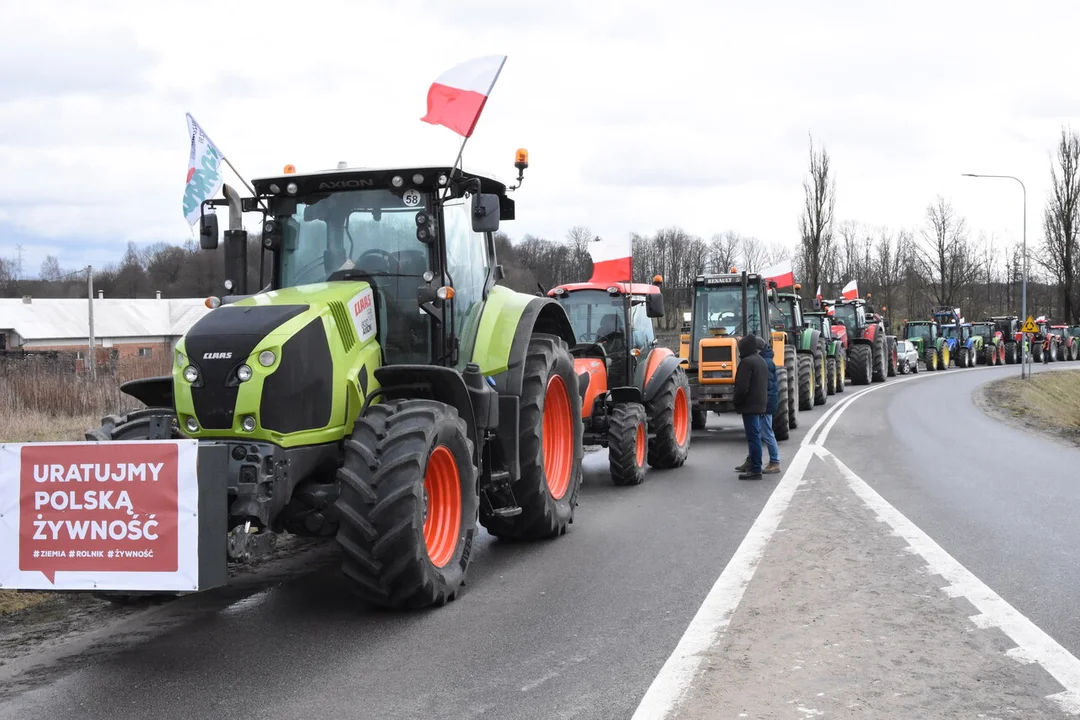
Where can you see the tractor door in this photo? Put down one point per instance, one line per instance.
(468, 264)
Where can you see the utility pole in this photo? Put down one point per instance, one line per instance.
(92, 356)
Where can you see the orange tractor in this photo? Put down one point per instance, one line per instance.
(635, 394)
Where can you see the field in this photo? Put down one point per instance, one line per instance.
(1047, 403)
(42, 401)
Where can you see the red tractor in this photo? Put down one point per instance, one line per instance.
(868, 348)
(1045, 345)
(1067, 346)
(635, 394)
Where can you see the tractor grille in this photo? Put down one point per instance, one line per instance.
(716, 353)
(299, 395)
(344, 324)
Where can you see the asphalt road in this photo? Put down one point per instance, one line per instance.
(1000, 500)
(574, 628)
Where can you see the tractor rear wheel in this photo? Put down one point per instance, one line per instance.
(136, 425)
(791, 365)
(628, 440)
(698, 418)
(880, 361)
(862, 357)
(782, 418)
(806, 382)
(550, 447)
(669, 421)
(831, 381)
(1010, 353)
(408, 504)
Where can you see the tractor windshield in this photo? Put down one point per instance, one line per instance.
(848, 316)
(985, 331)
(1075, 331)
(1060, 332)
(720, 307)
(597, 317)
(918, 331)
(814, 323)
(950, 331)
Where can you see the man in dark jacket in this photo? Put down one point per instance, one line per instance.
(751, 400)
(767, 434)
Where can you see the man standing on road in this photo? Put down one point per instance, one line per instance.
(751, 401)
(774, 401)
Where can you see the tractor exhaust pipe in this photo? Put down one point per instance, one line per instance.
(235, 246)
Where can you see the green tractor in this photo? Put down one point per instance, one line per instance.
(991, 341)
(810, 348)
(382, 390)
(926, 335)
(835, 356)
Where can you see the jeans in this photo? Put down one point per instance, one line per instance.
(769, 438)
(752, 425)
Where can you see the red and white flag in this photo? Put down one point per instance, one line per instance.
(818, 296)
(611, 261)
(456, 98)
(851, 290)
(781, 273)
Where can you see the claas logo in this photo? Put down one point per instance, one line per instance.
(361, 305)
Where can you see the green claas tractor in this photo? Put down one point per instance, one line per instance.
(992, 350)
(835, 355)
(381, 390)
(810, 349)
(926, 335)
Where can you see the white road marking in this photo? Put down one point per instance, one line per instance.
(1033, 645)
(670, 686)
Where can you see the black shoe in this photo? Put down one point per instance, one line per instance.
(750, 476)
(745, 466)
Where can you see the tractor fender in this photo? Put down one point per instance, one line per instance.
(811, 338)
(153, 392)
(593, 379)
(629, 394)
(662, 371)
(508, 322)
(434, 382)
(870, 332)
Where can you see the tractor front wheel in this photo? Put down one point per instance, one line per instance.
(550, 447)
(1010, 353)
(791, 365)
(782, 418)
(862, 358)
(669, 421)
(831, 382)
(698, 418)
(821, 374)
(962, 358)
(880, 361)
(806, 382)
(841, 370)
(628, 441)
(408, 504)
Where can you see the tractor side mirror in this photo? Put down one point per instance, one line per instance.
(654, 305)
(485, 212)
(208, 231)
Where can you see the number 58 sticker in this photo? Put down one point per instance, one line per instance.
(411, 198)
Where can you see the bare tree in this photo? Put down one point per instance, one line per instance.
(723, 251)
(752, 253)
(1061, 220)
(946, 254)
(50, 269)
(815, 225)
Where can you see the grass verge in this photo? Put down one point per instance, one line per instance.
(1047, 403)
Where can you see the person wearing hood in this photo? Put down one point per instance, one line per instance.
(751, 401)
(767, 434)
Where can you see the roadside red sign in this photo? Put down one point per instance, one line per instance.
(117, 515)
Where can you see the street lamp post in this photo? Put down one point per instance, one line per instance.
(1024, 272)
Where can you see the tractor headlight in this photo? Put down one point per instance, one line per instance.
(248, 423)
(192, 425)
(243, 373)
(180, 359)
(267, 358)
(191, 374)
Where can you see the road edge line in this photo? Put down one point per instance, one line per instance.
(1033, 643)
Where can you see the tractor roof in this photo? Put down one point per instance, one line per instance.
(726, 278)
(624, 287)
(360, 178)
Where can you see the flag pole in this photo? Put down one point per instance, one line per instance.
(461, 150)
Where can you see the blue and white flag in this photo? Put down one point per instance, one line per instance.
(204, 176)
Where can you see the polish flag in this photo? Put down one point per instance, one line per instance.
(781, 273)
(818, 296)
(851, 290)
(611, 261)
(456, 98)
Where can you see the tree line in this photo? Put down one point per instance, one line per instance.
(911, 270)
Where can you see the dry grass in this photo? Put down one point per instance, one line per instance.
(1048, 402)
(12, 601)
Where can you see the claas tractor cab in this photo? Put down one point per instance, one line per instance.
(725, 308)
(867, 345)
(835, 354)
(381, 390)
(635, 395)
(992, 344)
(1011, 337)
(926, 334)
(809, 347)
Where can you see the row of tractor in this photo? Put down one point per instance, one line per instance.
(949, 341)
(817, 352)
(384, 391)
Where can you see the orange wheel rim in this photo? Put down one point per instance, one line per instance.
(558, 437)
(681, 417)
(442, 521)
(639, 445)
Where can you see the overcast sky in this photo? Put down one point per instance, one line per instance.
(637, 115)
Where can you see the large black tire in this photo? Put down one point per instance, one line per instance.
(782, 418)
(669, 422)
(545, 512)
(698, 418)
(860, 363)
(841, 370)
(1011, 354)
(407, 462)
(791, 365)
(627, 443)
(134, 426)
(821, 375)
(963, 357)
(1036, 352)
(890, 351)
(832, 379)
(806, 382)
(880, 361)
